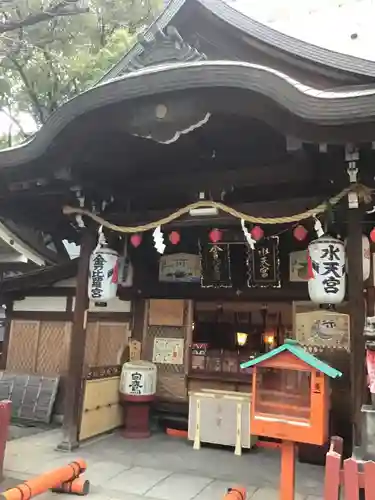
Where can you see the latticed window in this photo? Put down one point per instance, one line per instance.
(283, 392)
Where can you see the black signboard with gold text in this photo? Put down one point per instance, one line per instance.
(264, 264)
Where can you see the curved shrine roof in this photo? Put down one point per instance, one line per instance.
(344, 106)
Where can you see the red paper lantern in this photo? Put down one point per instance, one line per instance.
(257, 233)
(215, 235)
(174, 238)
(372, 235)
(300, 232)
(136, 240)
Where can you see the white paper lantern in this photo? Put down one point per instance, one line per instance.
(138, 379)
(327, 270)
(366, 257)
(103, 274)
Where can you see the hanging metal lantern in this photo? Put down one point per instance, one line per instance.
(327, 270)
(103, 274)
(366, 257)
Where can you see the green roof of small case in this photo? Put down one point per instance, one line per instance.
(294, 348)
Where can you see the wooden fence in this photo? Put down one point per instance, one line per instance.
(355, 478)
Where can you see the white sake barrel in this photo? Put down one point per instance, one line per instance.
(138, 378)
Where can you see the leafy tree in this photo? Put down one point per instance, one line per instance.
(51, 54)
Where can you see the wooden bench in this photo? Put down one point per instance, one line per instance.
(349, 475)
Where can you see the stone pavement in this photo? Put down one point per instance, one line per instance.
(159, 468)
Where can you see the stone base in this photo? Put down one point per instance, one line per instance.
(67, 446)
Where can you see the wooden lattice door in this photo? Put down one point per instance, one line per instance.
(38, 347)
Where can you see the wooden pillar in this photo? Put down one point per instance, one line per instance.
(74, 379)
(139, 312)
(6, 340)
(357, 318)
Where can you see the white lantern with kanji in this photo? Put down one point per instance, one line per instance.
(326, 259)
(103, 274)
(366, 257)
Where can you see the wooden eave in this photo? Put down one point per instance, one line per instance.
(323, 115)
(39, 278)
(254, 34)
(24, 242)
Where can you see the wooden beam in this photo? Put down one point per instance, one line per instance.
(293, 170)
(357, 318)
(289, 292)
(8, 325)
(74, 379)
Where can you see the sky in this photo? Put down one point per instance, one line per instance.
(345, 26)
(327, 23)
(26, 120)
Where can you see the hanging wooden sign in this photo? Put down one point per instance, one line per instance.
(215, 265)
(263, 264)
(168, 351)
(135, 348)
(180, 268)
(323, 329)
(298, 268)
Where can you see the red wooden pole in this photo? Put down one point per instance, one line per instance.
(237, 493)
(78, 486)
(287, 477)
(5, 415)
(46, 481)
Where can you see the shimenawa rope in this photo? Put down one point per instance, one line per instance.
(363, 192)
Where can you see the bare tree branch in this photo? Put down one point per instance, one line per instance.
(32, 94)
(16, 122)
(64, 8)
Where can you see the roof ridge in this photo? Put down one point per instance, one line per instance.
(300, 352)
(288, 44)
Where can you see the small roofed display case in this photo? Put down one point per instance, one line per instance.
(291, 395)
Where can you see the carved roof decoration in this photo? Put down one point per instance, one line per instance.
(166, 47)
(22, 244)
(165, 120)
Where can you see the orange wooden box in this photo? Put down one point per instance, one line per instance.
(291, 395)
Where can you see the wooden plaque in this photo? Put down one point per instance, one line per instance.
(323, 329)
(165, 312)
